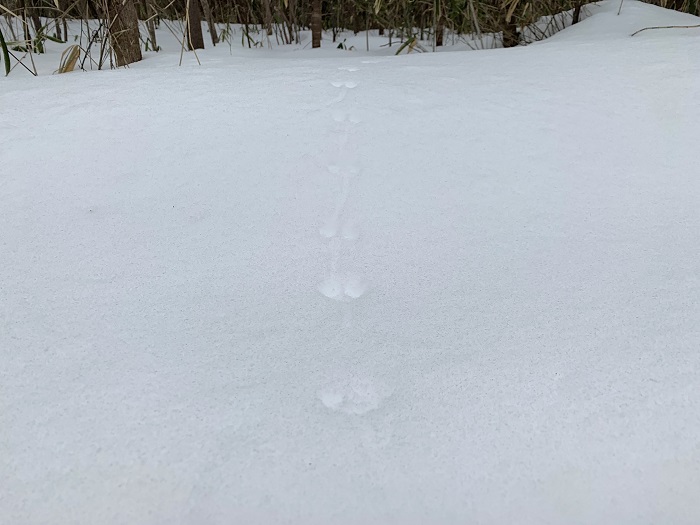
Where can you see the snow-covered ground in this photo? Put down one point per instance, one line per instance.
(436, 288)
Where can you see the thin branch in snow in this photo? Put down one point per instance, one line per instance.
(665, 27)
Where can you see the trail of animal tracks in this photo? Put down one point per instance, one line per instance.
(447, 288)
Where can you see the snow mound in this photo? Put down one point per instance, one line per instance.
(603, 23)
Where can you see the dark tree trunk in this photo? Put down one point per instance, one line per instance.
(286, 21)
(36, 22)
(206, 7)
(316, 24)
(195, 38)
(61, 25)
(439, 24)
(577, 14)
(356, 21)
(150, 24)
(268, 17)
(293, 25)
(124, 35)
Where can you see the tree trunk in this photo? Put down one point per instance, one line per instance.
(206, 7)
(577, 13)
(123, 24)
(439, 24)
(356, 21)
(268, 17)
(288, 16)
(36, 22)
(287, 28)
(316, 24)
(195, 38)
(150, 25)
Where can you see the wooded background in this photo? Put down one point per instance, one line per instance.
(121, 29)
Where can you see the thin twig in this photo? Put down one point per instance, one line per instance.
(20, 63)
(665, 27)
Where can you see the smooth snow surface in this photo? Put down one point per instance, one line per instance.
(456, 288)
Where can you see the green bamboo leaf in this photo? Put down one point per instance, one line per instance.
(53, 39)
(409, 43)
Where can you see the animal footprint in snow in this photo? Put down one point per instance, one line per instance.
(331, 288)
(355, 287)
(356, 396)
(331, 399)
(343, 86)
(337, 169)
(346, 84)
(340, 117)
(343, 289)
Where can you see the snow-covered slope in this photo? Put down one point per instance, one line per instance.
(602, 23)
(446, 288)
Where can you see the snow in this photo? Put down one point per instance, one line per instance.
(439, 288)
